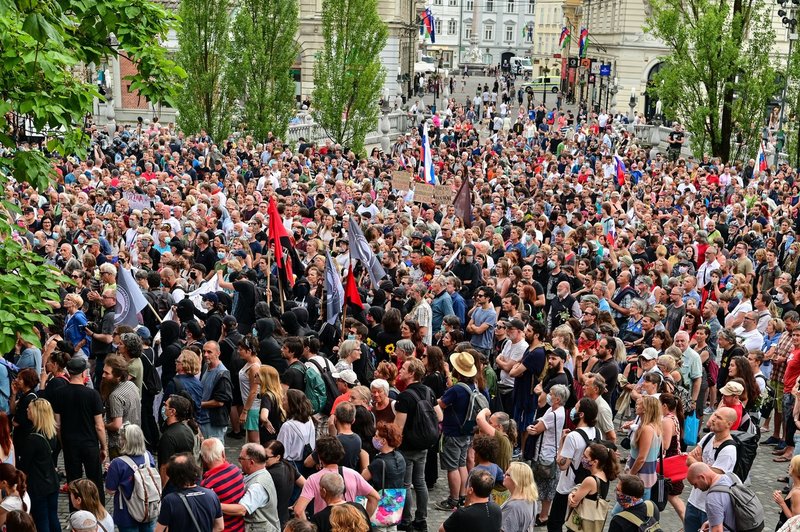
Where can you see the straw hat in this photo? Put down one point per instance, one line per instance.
(464, 363)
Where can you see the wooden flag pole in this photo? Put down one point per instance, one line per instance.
(269, 277)
(280, 291)
(154, 312)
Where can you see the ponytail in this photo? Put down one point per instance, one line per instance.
(607, 459)
(22, 487)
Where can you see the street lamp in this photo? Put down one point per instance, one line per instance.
(632, 103)
(789, 20)
(545, 72)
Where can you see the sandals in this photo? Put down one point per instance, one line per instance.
(781, 459)
(539, 522)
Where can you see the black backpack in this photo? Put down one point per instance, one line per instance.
(424, 430)
(746, 450)
(161, 301)
(151, 381)
(581, 472)
(331, 390)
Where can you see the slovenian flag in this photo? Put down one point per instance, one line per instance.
(426, 168)
(429, 24)
(620, 169)
(761, 158)
(582, 42)
(563, 41)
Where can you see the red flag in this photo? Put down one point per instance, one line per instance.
(277, 232)
(351, 294)
(463, 204)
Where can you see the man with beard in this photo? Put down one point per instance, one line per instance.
(228, 344)
(556, 358)
(121, 399)
(605, 366)
(102, 338)
(563, 307)
(468, 272)
(526, 373)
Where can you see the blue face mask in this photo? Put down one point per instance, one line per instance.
(255, 333)
(575, 416)
(729, 286)
(220, 255)
(351, 336)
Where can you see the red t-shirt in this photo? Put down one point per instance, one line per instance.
(792, 371)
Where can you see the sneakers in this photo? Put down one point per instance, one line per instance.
(235, 435)
(447, 505)
(419, 526)
(708, 411)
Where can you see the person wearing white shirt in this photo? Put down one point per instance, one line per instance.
(748, 334)
(705, 269)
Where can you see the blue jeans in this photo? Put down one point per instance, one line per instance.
(143, 527)
(415, 476)
(210, 431)
(617, 508)
(693, 519)
(44, 511)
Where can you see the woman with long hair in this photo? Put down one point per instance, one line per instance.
(37, 462)
(387, 338)
(603, 467)
(22, 393)
(671, 423)
(54, 375)
(518, 510)
(7, 447)
(708, 389)
(740, 368)
(19, 521)
(271, 413)
(83, 495)
(284, 476)
(119, 480)
(410, 330)
(436, 374)
(14, 484)
(250, 386)
(691, 320)
(790, 505)
(297, 434)
(645, 444)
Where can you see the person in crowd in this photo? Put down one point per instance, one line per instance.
(119, 480)
(223, 478)
(478, 511)
(217, 394)
(37, 463)
(14, 486)
(190, 503)
(297, 434)
(518, 510)
(121, 399)
(271, 411)
(187, 367)
(259, 504)
(23, 391)
(178, 436)
(84, 495)
(603, 466)
(284, 476)
(637, 509)
(719, 506)
(338, 514)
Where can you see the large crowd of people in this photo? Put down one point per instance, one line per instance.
(603, 308)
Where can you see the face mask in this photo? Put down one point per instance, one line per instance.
(575, 416)
(551, 264)
(369, 300)
(437, 272)
(254, 332)
(351, 336)
(36, 242)
(683, 269)
(792, 252)
(585, 463)
(626, 501)
(739, 295)
(164, 412)
(376, 442)
(583, 252)
(729, 286)
(470, 260)
(549, 400)
(80, 240)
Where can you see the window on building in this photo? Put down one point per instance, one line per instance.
(489, 5)
(438, 28)
(488, 32)
(509, 33)
(468, 5)
(437, 2)
(468, 31)
(451, 26)
(531, 7)
(510, 6)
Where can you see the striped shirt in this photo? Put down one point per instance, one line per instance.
(227, 482)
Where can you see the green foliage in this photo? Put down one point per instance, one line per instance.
(204, 46)
(41, 41)
(264, 50)
(348, 75)
(719, 73)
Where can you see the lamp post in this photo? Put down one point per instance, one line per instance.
(545, 71)
(789, 20)
(632, 104)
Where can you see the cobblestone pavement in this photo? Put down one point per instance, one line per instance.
(763, 480)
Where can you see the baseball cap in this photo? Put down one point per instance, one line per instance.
(77, 365)
(348, 376)
(82, 520)
(516, 324)
(732, 388)
(649, 354)
(210, 296)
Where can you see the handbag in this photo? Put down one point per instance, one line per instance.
(390, 504)
(659, 491)
(545, 470)
(691, 426)
(589, 515)
(675, 468)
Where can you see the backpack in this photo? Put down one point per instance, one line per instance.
(151, 381)
(747, 509)
(477, 402)
(162, 302)
(746, 450)
(331, 390)
(13, 371)
(424, 429)
(144, 503)
(581, 472)
(315, 389)
(651, 525)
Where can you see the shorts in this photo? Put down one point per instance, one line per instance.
(252, 420)
(778, 387)
(454, 452)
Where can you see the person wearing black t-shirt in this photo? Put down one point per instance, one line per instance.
(190, 507)
(177, 436)
(478, 513)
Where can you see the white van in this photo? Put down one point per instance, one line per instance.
(521, 65)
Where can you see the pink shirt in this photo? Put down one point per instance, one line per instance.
(354, 485)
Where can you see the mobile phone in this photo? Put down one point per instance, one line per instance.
(114, 260)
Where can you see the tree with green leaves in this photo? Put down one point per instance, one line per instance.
(205, 100)
(263, 52)
(348, 75)
(41, 42)
(719, 74)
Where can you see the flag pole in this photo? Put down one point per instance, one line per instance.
(154, 312)
(280, 291)
(344, 306)
(269, 277)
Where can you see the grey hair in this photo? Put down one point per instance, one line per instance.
(212, 450)
(728, 334)
(645, 279)
(132, 441)
(561, 392)
(332, 483)
(133, 344)
(640, 304)
(347, 348)
(380, 384)
(421, 289)
(255, 452)
(405, 345)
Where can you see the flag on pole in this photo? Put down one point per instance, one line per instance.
(196, 295)
(333, 289)
(761, 158)
(130, 300)
(351, 295)
(279, 237)
(620, 170)
(359, 249)
(563, 41)
(426, 169)
(463, 204)
(583, 42)
(429, 24)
